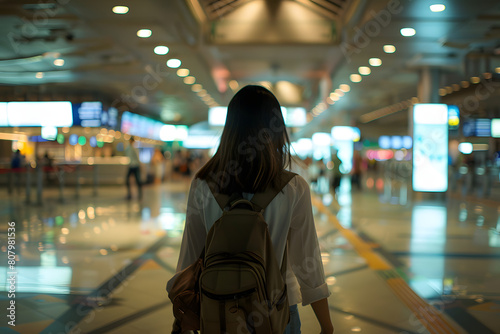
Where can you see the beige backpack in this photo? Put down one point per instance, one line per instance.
(242, 288)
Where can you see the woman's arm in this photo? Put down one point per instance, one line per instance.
(305, 256)
(322, 312)
(193, 239)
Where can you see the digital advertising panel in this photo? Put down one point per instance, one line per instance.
(58, 114)
(430, 147)
(87, 114)
(3, 114)
(495, 127)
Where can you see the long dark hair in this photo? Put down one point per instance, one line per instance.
(254, 148)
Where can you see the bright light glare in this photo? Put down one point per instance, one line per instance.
(189, 80)
(408, 32)
(58, 114)
(173, 63)
(217, 116)
(182, 72)
(344, 133)
(437, 8)
(233, 84)
(196, 88)
(144, 33)
(355, 77)
(375, 62)
(59, 62)
(389, 48)
(167, 133)
(345, 87)
(161, 50)
(120, 10)
(321, 139)
(364, 70)
(495, 127)
(465, 148)
(39, 75)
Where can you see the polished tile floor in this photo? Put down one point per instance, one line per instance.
(99, 264)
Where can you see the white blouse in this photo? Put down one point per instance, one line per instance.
(289, 214)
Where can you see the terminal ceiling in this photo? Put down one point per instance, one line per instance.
(304, 49)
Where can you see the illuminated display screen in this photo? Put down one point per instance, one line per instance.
(137, 125)
(469, 128)
(495, 127)
(3, 114)
(295, 117)
(49, 132)
(483, 127)
(109, 118)
(430, 147)
(453, 117)
(87, 114)
(217, 116)
(57, 114)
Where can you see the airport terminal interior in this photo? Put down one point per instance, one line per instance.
(393, 112)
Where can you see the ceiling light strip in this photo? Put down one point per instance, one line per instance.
(383, 112)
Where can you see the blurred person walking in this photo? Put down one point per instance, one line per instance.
(134, 168)
(336, 174)
(243, 169)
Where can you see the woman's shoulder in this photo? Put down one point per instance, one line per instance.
(297, 185)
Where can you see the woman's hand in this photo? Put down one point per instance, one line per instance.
(328, 330)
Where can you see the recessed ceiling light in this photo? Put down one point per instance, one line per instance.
(497, 70)
(161, 50)
(39, 75)
(334, 96)
(196, 88)
(202, 93)
(375, 62)
(182, 72)
(189, 80)
(475, 80)
(408, 32)
(173, 63)
(389, 48)
(345, 88)
(144, 33)
(364, 70)
(233, 84)
(120, 9)
(59, 62)
(355, 77)
(339, 92)
(437, 7)
(464, 84)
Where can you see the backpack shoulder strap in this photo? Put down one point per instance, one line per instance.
(222, 199)
(262, 200)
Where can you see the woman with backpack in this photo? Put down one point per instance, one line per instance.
(251, 159)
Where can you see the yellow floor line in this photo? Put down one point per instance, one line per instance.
(433, 320)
